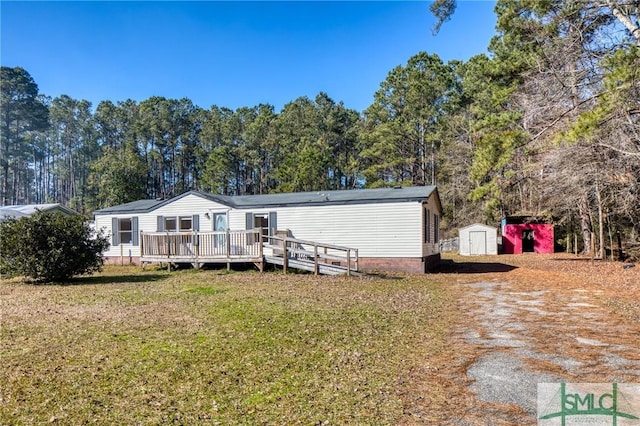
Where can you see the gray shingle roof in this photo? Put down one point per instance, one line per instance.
(353, 196)
(140, 206)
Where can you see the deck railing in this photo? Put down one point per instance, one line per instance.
(197, 246)
(243, 246)
(312, 251)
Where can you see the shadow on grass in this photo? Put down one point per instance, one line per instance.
(451, 267)
(117, 279)
(575, 259)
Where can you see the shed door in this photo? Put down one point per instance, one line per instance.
(477, 243)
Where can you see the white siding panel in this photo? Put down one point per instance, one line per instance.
(186, 206)
(104, 223)
(147, 222)
(376, 230)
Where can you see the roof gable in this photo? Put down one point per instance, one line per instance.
(479, 225)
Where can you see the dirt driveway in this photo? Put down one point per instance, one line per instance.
(532, 319)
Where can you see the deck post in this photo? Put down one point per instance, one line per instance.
(315, 259)
(261, 252)
(168, 253)
(285, 255)
(141, 250)
(348, 262)
(357, 269)
(196, 244)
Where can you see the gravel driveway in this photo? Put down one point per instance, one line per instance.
(522, 326)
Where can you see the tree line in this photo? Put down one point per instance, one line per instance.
(545, 124)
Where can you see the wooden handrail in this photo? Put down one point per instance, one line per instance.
(296, 240)
(195, 244)
(198, 247)
(288, 246)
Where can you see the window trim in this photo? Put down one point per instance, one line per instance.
(117, 230)
(426, 233)
(178, 223)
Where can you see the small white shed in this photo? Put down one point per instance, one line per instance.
(478, 240)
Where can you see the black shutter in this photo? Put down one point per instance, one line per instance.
(134, 230)
(160, 223)
(114, 229)
(195, 222)
(249, 220)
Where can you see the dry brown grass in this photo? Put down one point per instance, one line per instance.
(203, 347)
(602, 300)
(132, 347)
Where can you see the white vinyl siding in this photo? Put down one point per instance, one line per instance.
(376, 230)
(187, 206)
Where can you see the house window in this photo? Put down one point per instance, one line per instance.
(170, 224)
(427, 226)
(125, 231)
(185, 223)
(262, 221)
(436, 225)
(266, 221)
(178, 223)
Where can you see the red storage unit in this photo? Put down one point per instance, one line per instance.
(527, 235)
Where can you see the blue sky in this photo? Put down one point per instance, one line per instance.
(230, 54)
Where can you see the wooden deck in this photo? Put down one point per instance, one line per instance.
(247, 246)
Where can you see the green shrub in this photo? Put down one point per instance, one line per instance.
(50, 247)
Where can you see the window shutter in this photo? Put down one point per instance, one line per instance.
(273, 223)
(195, 222)
(114, 229)
(160, 223)
(249, 221)
(134, 230)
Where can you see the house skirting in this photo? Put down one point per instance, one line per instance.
(414, 265)
(121, 260)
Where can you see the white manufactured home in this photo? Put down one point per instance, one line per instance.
(382, 229)
(478, 240)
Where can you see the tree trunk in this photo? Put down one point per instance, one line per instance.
(585, 225)
(600, 222)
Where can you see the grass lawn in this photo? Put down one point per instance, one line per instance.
(205, 347)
